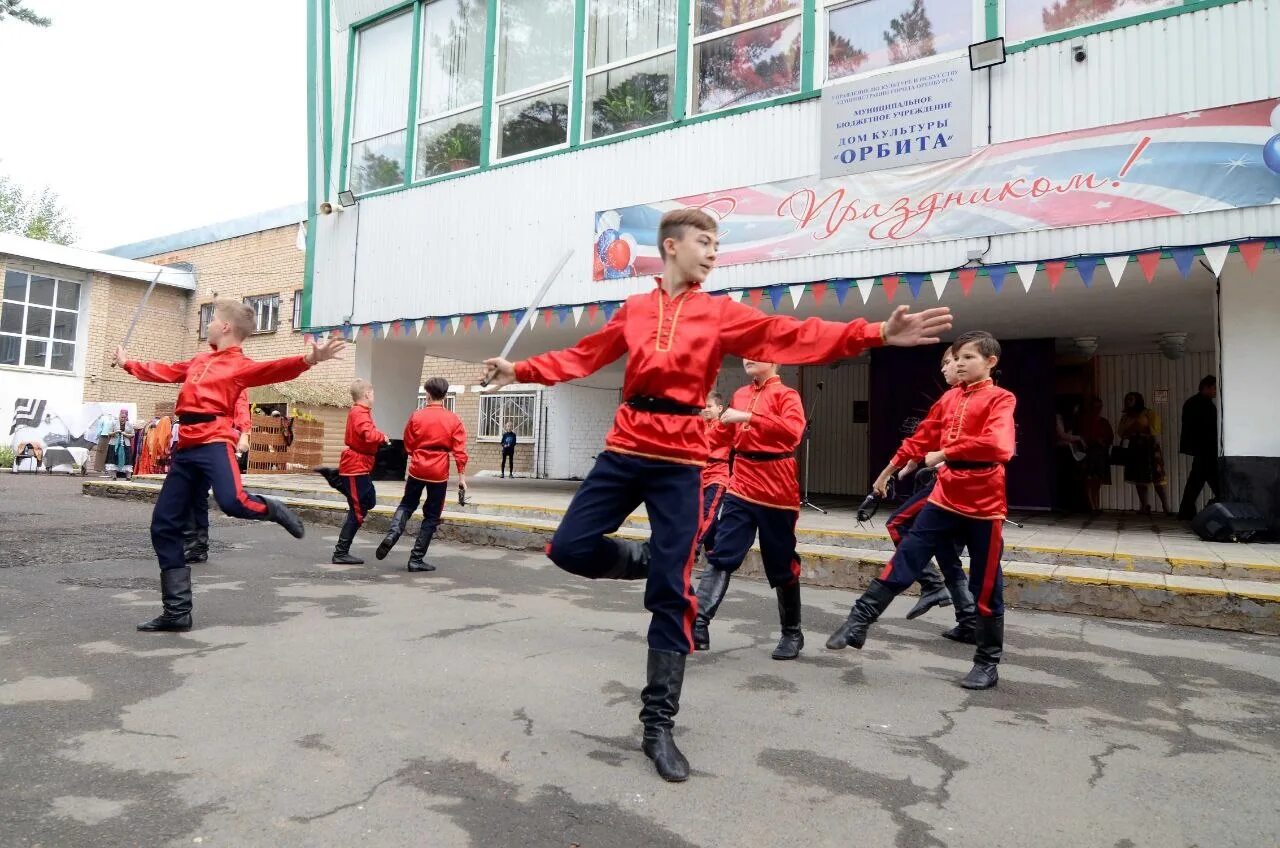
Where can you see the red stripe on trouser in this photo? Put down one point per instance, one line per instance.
(895, 522)
(709, 515)
(795, 559)
(691, 608)
(993, 565)
(355, 501)
(241, 495)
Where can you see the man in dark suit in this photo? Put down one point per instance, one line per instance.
(1199, 440)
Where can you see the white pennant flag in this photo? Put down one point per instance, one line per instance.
(1217, 256)
(1027, 273)
(386, 329)
(417, 326)
(797, 294)
(1115, 267)
(940, 280)
(493, 321)
(736, 295)
(865, 287)
(455, 321)
(577, 313)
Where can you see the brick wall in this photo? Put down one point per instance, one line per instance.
(486, 455)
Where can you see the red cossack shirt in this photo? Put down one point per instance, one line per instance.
(675, 347)
(977, 427)
(776, 426)
(242, 420)
(719, 443)
(927, 432)
(432, 434)
(363, 440)
(211, 384)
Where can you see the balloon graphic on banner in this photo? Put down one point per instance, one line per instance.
(1275, 119)
(1271, 154)
(615, 250)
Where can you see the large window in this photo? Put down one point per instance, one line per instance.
(871, 34)
(535, 63)
(1025, 19)
(380, 107)
(501, 411)
(744, 51)
(631, 64)
(266, 312)
(451, 86)
(38, 320)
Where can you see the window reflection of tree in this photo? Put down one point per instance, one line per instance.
(540, 124)
(375, 171)
(910, 35)
(752, 63)
(637, 101)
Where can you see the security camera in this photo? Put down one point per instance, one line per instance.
(326, 208)
(1078, 52)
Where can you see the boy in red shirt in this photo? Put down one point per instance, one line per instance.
(970, 449)
(195, 538)
(764, 499)
(352, 478)
(675, 337)
(715, 475)
(205, 456)
(432, 434)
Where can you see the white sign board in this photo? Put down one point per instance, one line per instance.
(900, 118)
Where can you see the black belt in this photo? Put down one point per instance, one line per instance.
(961, 465)
(760, 456)
(716, 461)
(661, 405)
(196, 417)
(432, 450)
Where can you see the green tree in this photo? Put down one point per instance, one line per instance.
(17, 10)
(910, 35)
(38, 216)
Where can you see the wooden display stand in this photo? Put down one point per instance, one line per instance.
(268, 453)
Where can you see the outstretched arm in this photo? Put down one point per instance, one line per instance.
(288, 367)
(151, 372)
(588, 356)
(748, 332)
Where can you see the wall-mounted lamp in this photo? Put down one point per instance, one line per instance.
(986, 54)
(1173, 345)
(1085, 346)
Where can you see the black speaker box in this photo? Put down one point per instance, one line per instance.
(1229, 522)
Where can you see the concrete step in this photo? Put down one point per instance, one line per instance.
(1128, 557)
(1226, 603)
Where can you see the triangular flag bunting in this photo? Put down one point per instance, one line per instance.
(797, 295)
(914, 282)
(493, 321)
(455, 321)
(1026, 273)
(466, 322)
(842, 289)
(417, 327)
(1116, 266)
(735, 295)
(1251, 252)
(442, 324)
(775, 296)
(940, 280)
(865, 287)
(1183, 257)
(1053, 270)
(380, 329)
(966, 277)
(608, 308)
(819, 292)
(546, 317)
(1085, 266)
(1217, 256)
(998, 273)
(431, 326)
(1149, 262)
(593, 309)
(577, 314)
(890, 284)
(506, 320)
(754, 296)
(562, 314)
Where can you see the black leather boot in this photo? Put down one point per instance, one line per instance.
(420, 545)
(865, 611)
(285, 517)
(632, 562)
(342, 550)
(195, 545)
(986, 658)
(661, 697)
(933, 592)
(175, 594)
(966, 614)
(394, 532)
(711, 590)
(332, 477)
(789, 614)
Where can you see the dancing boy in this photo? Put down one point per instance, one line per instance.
(353, 476)
(195, 536)
(715, 474)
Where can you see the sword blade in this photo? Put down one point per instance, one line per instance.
(137, 314)
(527, 318)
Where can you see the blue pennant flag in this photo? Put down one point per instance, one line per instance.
(562, 313)
(442, 324)
(1183, 257)
(608, 308)
(914, 282)
(998, 273)
(1086, 265)
(775, 296)
(842, 289)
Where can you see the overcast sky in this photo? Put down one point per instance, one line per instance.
(153, 116)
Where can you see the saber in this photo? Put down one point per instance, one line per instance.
(527, 318)
(128, 334)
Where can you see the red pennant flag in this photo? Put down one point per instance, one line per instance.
(755, 296)
(546, 317)
(1251, 252)
(593, 309)
(819, 292)
(890, 284)
(366, 330)
(430, 325)
(1149, 262)
(1053, 270)
(967, 276)
(506, 319)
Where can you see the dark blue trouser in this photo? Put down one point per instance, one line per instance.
(671, 493)
(361, 497)
(191, 473)
(740, 521)
(508, 459)
(904, 517)
(436, 493)
(935, 528)
(711, 496)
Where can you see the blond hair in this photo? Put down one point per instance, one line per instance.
(360, 388)
(675, 222)
(239, 315)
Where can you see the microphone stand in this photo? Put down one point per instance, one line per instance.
(808, 432)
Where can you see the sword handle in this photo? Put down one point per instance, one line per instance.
(489, 374)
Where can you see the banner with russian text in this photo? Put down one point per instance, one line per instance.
(1225, 158)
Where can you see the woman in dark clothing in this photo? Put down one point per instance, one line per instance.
(1144, 462)
(1097, 435)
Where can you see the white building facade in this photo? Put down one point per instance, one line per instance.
(483, 139)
